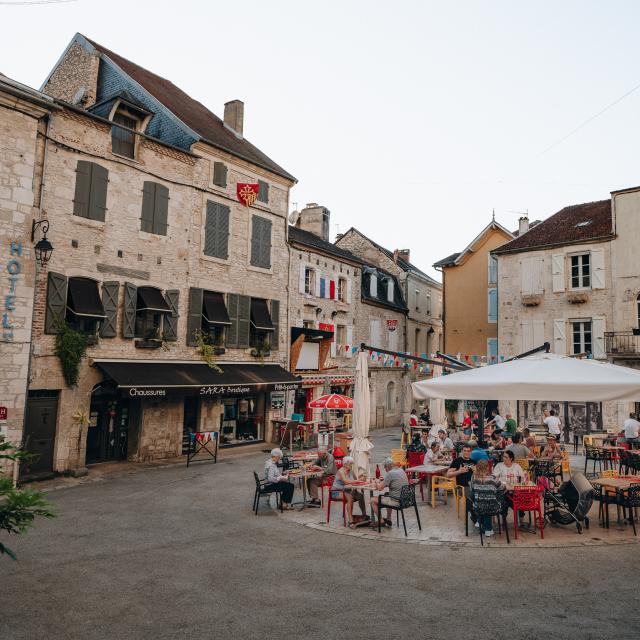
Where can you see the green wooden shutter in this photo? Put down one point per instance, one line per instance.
(244, 321)
(220, 174)
(56, 304)
(255, 241)
(98, 196)
(222, 232)
(148, 206)
(265, 244)
(161, 210)
(129, 310)
(263, 191)
(83, 189)
(194, 318)
(275, 319)
(110, 292)
(170, 327)
(231, 338)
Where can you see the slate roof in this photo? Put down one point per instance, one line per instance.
(398, 303)
(194, 114)
(567, 226)
(300, 236)
(449, 260)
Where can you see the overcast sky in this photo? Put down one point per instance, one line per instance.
(409, 120)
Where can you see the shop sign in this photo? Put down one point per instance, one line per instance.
(147, 392)
(3, 414)
(212, 390)
(224, 390)
(14, 268)
(392, 325)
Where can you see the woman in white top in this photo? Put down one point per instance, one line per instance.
(508, 471)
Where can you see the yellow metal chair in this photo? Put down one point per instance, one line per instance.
(399, 455)
(523, 462)
(442, 482)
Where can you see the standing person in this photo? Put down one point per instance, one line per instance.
(278, 480)
(394, 478)
(467, 425)
(327, 465)
(631, 430)
(510, 425)
(481, 483)
(553, 424)
(344, 480)
(497, 421)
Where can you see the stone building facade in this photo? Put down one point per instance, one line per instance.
(23, 117)
(159, 262)
(324, 302)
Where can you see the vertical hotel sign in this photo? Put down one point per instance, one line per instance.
(13, 270)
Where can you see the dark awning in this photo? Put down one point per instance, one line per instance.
(311, 334)
(151, 299)
(162, 378)
(260, 316)
(84, 298)
(214, 309)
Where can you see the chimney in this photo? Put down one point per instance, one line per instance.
(315, 219)
(523, 225)
(403, 254)
(234, 116)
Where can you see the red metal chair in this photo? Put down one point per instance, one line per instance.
(415, 459)
(325, 481)
(528, 498)
(342, 499)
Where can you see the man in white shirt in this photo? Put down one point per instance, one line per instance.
(631, 429)
(553, 423)
(446, 444)
(497, 421)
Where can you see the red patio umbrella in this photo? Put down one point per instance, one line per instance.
(331, 401)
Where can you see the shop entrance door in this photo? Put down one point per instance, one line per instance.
(40, 432)
(108, 429)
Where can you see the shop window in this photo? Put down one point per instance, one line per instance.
(84, 310)
(123, 137)
(581, 331)
(151, 309)
(391, 397)
(242, 420)
(580, 271)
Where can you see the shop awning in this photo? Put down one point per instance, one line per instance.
(162, 378)
(260, 316)
(84, 298)
(310, 334)
(151, 299)
(214, 309)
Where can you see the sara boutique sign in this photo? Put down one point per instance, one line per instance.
(209, 390)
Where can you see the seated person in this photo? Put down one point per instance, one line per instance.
(395, 478)
(327, 465)
(433, 454)
(416, 445)
(518, 449)
(413, 418)
(483, 484)
(508, 471)
(529, 440)
(462, 467)
(345, 477)
(552, 450)
(477, 453)
(277, 480)
(424, 416)
(446, 444)
(496, 441)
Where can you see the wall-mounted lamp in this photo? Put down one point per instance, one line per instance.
(43, 248)
(318, 311)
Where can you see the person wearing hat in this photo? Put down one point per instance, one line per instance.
(327, 465)
(277, 480)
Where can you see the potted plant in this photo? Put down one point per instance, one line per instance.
(152, 339)
(262, 349)
(207, 350)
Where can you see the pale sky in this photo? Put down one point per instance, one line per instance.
(409, 120)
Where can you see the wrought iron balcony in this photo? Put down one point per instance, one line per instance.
(622, 343)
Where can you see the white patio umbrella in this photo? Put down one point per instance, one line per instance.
(436, 410)
(541, 376)
(361, 445)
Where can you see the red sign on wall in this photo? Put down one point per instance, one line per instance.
(326, 327)
(392, 325)
(3, 414)
(247, 193)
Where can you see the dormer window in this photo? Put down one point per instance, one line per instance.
(123, 137)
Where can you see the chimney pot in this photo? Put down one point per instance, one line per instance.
(403, 254)
(523, 225)
(234, 116)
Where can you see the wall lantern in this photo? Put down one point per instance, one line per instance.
(43, 248)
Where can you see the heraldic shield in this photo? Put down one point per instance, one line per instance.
(247, 193)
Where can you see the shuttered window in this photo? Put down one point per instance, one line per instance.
(263, 191)
(261, 242)
(90, 199)
(56, 304)
(110, 292)
(123, 141)
(220, 174)
(216, 230)
(492, 305)
(155, 208)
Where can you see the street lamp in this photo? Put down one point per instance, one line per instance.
(43, 248)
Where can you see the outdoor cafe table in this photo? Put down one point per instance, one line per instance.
(304, 474)
(374, 492)
(616, 484)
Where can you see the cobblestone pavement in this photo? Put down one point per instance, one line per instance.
(172, 552)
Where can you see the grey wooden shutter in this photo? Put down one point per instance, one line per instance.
(220, 174)
(231, 337)
(261, 242)
(161, 210)
(56, 304)
(263, 191)
(244, 321)
(216, 232)
(194, 318)
(98, 195)
(275, 319)
(170, 327)
(129, 310)
(148, 200)
(83, 189)
(265, 246)
(110, 292)
(255, 241)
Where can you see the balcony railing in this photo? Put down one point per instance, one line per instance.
(622, 343)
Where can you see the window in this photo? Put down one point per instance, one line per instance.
(155, 207)
(638, 309)
(341, 336)
(580, 271)
(342, 290)
(215, 318)
(90, 199)
(416, 342)
(492, 305)
(260, 242)
(263, 192)
(391, 397)
(309, 281)
(581, 330)
(261, 327)
(492, 350)
(220, 174)
(84, 309)
(123, 141)
(417, 299)
(151, 308)
(308, 324)
(492, 271)
(216, 231)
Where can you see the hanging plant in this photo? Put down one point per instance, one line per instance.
(70, 348)
(207, 349)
